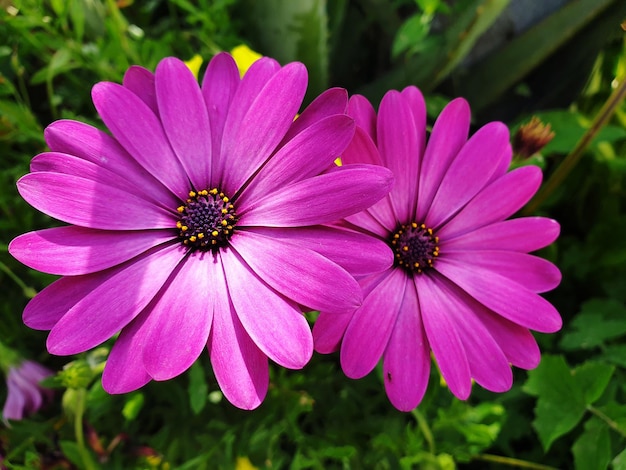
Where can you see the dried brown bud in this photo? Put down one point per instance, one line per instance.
(531, 137)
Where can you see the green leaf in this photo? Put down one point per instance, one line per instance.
(410, 35)
(619, 462)
(133, 406)
(462, 42)
(592, 450)
(563, 394)
(615, 354)
(515, 60)
(72, 452)
(198, 388)
(599, 320)
(288, 31)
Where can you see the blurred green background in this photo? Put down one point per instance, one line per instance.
(563, 61)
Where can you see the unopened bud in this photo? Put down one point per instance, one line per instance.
(531, 137)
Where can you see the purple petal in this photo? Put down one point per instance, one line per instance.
(247, 90)
(122, 293)
(263, 126)
(140, 81)
(328, 331)
(364, 115)
(507, 298)
(525, 234)
(469, 172)
(362, 149)
(488, 364)
(516, 342)
(314, 200)
(65, 164)
(274, 323)
(357, 253)
(185, 119)
(443, 336)
(298, 273)
(50, 304)
(241, 368)
(70, 251)
(178, 327)
(496, 202)
(368, 222)
(532, 272)
(417, 105)
(307, 154)
(93, 145)
(406, 361)
(369, 330)
(401, 152)
(219, 85)
(124, 370)
(98, 205)
(139, 131)
(331, 102)
(449, 133)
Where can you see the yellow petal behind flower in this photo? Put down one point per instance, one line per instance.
(244, 57)
(243, 463)
(194, 64)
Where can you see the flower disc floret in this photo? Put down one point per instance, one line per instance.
(207, 219)
(415, 247)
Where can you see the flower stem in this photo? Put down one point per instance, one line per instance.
(575, 155)
(423, 425)
(28, 291)
(609, 422)
(511, 462)
(81, 398)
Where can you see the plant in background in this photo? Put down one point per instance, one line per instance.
(462, 284)
(25, 395)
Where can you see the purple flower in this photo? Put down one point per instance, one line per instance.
(25, 396)
(198, 223)
(463, 284)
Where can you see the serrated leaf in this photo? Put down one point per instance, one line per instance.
(592, 378)
(615, 354)
(599, 320)
(563, 394)
(198, 389)
(592, 450)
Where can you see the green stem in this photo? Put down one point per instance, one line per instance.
(609, 422)
(575, 155)
(81, 398)
(423, 425)
(28, 291)
(511, 462)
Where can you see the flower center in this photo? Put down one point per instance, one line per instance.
(206, 220)
(415, 247)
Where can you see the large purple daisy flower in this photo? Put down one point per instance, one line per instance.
(463, 284)
(198, 224)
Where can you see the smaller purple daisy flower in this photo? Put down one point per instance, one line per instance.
(199, 224)
(463, 284)
(25, 396)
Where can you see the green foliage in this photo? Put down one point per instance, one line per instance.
(564, 395)
(570, 412)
